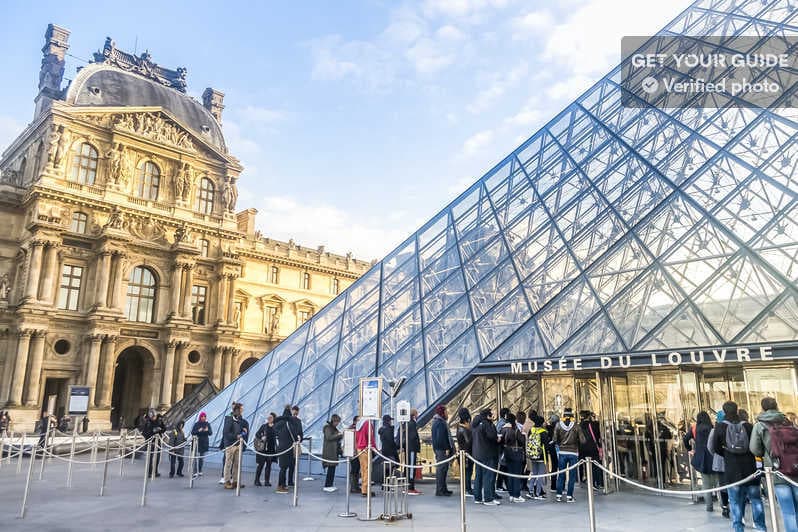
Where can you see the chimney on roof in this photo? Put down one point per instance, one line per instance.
(213, 101)
(56, 44)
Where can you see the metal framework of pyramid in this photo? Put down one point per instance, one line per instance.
(611, 230)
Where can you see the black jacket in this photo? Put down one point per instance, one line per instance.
(152, 427)
(388, 442)
(441, 439)
(233, 428)
(465, 439)
(738, 466)
(266, 433)
(202, 430)
(590, 447)
(702, 458)
(287, 429)
(412, 443)
(485, 440)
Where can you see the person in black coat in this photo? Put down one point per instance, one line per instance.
(288, 431)
(202, 431)
(152, 430)
(739, 464)
(235, 432)
(388, 440)
(267, 445)
(465, 441)
(486, 451)
(696, 441)
(551, 448)
(412, 446)
(592, 446)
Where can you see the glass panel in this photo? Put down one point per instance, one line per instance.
(558, 394)
(452, 365)
(779, 383)
(407, 361)
(524, 344)
(520, 395)
(443, 297)
(442, 332)
(502, 321)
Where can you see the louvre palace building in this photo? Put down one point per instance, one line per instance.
(126, 263)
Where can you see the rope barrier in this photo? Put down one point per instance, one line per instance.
(267, 455)
(122, 457)
(525, 477)
(419, 466)
(786, 479)
(747, 479)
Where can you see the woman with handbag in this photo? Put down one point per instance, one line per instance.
(265, 443)
(331, 450)
(514, 456)
(591, 448)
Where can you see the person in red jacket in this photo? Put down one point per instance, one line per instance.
(364, 438)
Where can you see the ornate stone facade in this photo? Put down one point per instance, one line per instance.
(124, 265)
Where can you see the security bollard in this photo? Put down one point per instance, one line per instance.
(238, 469)
(44, 451)
(146, 475)
(591, 509)
(297, 456)
(122, 449)
(27, 483)
(94, 452)
(105, 466)
(348, 513)
(21, 448)
(462, 490)
(774, 519)
(310, 450)
(191, 459)
(71, 457)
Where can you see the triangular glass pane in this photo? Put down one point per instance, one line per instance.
(550, 279)
(537, 250)
(780, 323)
(738, 292)
(406, 327)
(524, 344)
(569, 312)
(683, 329)
(348, 377)
(616, 270)
(443, 296)
(449, 326)
(406, 361)
(492, 289)
(694, 260)
(452, 364)
(670, 223)
(484, 261)
(597, 337)
(415, 391)
(322, 369)
(317, 403)
(502, 321)
(747, 211)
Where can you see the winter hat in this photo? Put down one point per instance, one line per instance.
(568, 412)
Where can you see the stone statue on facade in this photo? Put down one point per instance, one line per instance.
(181, 233)
(5, 287)
(237, 316)
(183, 183)
(116, 156)
(275, 324)
(54, 140)
(115, 220)
(229, 195)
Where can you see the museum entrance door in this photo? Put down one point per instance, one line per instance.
(133, 384)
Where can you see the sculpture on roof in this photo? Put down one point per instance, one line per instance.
(142, 65)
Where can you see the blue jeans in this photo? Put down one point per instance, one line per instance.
(737, 499)
(566, 460)
(788, 502)
(514, 467)
(485, 482)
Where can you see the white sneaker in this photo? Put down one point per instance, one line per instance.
(559, 498)
(200, 473)
(330, 489)
(517, 499)
(470, 495)
(221, 480)
(195, 475)
(492, 503)
(569, 499)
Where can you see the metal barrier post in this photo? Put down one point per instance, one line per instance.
(21, 448)
(310, 450)
(122, 449)
(462, 490)
(591, 509)
(71, 457)
(367, 480)
(774, 518)
(105, 466)
(44, 450)
(238, 469)
(191, 462)
(27, 483)
(297, 456)
(155, 459)
(94, 452)
(348, 513)
(146, 475)
(2, 447)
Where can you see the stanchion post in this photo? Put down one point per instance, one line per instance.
(71, 457)
(774, 518)
(44, 450)
(2, 447)
(155, 459)
(191, 461)
(348, 513)
(146, 475)
(21, 449)
(238, 469)
(310, 450)
(27, 483)
(462, 490)
(367, 480)
(122, 449)
(591, 508)
(297, 456)
(105, 466)
(94, 452)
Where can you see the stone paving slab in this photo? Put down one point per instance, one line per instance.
(171, 505)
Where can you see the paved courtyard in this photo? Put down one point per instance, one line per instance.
(171, 505)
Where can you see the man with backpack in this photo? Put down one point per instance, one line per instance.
(775, 439)
(732, 441)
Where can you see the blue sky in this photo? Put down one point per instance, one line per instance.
(355, 121)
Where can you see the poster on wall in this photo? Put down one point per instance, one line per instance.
(371, 397)
(78, 400)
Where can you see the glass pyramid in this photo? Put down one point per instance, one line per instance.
(612, 229)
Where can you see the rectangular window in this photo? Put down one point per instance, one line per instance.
(274, 276)
(304, 315)
(198, 303)
(70, 287)
(336, 286)
(305, 284)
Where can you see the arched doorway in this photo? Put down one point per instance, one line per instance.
(245, 365)
(133, 383)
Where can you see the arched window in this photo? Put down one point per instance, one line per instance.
(149, 180)
(141, 291)
(204, 204)
(84, 164)
(205, 247)
(79, 221)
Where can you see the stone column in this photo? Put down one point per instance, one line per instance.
(180, 378)
(166, 375)
(119, 264)
(109, 364)
(103, 273)
(8, 367)
(231, 294)
(228, 365)
(35, 374)
(50, 272)
(216, 377)
(93, 366)
(34, 269)
(189, 280)
(221, 303)
(174, 287)
(20, 364)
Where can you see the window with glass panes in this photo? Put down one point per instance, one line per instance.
(199, 294)
(141, 292)
(336, 286)
(84, 164)
(274, 275)
(204, 247)
(204, 203)
(79, 220)
(69, 293)
(304, 315)
(305, 283)
(149, 181)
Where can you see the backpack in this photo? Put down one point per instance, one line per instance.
(784, 448)
(534, 445)
(736, 438)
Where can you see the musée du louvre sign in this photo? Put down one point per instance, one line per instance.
(719, 355)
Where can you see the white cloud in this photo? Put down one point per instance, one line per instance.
(462, 9)
(569, 88)
(237, 142)
(499, 85)
(450, 33)
(428, 56)
(531, 24)
(477, 141)
(9, 130)
(340, 231)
